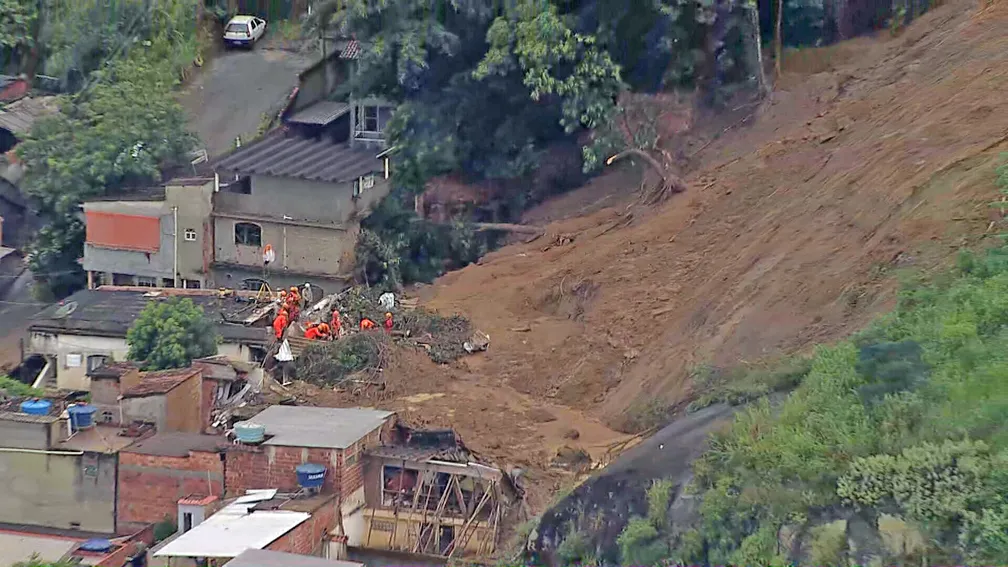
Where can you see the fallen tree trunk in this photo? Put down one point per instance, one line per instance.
(670, 183)
(507, 227)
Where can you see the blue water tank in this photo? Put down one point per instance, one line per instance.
(310, 475)
(36, 407)
(82, 416)
(248, 432)
(96, 545)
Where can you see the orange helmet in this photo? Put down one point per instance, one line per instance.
(388, 315)
(294, 288)
(323, 327)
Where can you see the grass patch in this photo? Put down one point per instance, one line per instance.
(748, 382)
(17, 388)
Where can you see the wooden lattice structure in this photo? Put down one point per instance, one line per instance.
(435, 507)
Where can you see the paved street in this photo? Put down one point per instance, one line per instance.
(229, 97)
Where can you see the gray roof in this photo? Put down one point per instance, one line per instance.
(265, 558)
(313, 159)
(321, 113)
(306, 426)
(19, 116)
(110, 313)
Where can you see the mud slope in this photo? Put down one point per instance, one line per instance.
(788, 236)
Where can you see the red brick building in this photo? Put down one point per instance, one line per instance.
(156, 472)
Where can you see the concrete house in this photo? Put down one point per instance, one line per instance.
(303, 188)
(88, 329)
(155, 238)
(57, 477)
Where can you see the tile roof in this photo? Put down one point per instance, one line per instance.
(18, 117)
(351, 51)
(315, 159)
(111, 312)
(27, 418)
(160, 382)
(332, 428)
(197, 500)
(178, 444)
(112, 369)
(322, 113)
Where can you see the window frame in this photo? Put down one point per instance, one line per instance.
(243, 234)
(190, 235)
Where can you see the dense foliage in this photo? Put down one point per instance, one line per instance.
(117, 134)
(905, 419)
(170, 334)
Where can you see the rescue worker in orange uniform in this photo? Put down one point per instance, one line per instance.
(280, 324)
(388, 323)
(337, 324)
(296, 297)
(323, 331)
(312, 332)
(366, 324)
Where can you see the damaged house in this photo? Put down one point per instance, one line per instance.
(426, 493)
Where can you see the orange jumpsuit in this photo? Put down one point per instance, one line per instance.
(279, 325)
(312, 333)
(367, 324)
(388, 324)
(337, 324)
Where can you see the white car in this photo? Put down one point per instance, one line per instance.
(244, 31)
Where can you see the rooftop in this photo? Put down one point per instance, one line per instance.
(265, 558)
(321, 113)
(113, 369)
(110, 313)
(177, 444)
(20, 546)
(314, 159)
(219, 367)
(332, 428)
(234, 529)
(160, 382)
(26, 418)
(98, 439)
(19, 116)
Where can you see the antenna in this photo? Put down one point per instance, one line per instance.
(65, 310)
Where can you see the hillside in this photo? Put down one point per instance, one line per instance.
(788, 236)
(872, 156)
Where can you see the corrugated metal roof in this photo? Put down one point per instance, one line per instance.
(160, 382)
(19, 116)
(330, 428)
(266, 558)
(233, 530)
(280, 155)
(351, 51)
(321, 113)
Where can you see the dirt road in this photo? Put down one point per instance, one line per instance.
(229, 97)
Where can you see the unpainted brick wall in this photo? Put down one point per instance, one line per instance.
(274, 467)
(309, 538)
(184, 406)
(150, 486)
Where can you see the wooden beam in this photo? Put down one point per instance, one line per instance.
(416, 499)
(423, 522)
(437, 514)
(395, 508)
(465, 528)
(463, 505)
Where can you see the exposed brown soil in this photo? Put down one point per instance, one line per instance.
(872, 155)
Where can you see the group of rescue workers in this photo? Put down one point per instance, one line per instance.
(291, 303)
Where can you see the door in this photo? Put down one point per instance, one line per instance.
(186, 521)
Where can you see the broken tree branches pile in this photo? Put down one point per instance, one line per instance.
(334, 363)
(443, 337)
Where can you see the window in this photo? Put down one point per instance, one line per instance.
(73, 360)
(190, 235)
(186, 521)
(143, 281)
(248, 234)
(95, 360)
(351, 460)
(167, 282)
(367, 119)
(191, 284)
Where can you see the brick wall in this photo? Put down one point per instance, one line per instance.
(208, 395)
(184, 406)
(309, 537)
(151, 485)
(274, 467)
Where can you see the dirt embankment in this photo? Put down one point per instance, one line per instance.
(788, 236)
(872, 155)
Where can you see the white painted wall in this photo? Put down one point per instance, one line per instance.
(65, 348)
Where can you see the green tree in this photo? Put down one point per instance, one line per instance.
(170, 334)
(120, 135)
(17, 23)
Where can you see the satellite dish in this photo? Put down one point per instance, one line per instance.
(65, 310)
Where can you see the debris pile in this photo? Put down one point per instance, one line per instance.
(444, 338)
(356, 358)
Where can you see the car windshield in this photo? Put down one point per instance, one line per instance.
(237, 28)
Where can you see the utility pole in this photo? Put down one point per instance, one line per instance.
(175, 262)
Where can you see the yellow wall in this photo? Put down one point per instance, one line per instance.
(379, 524)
